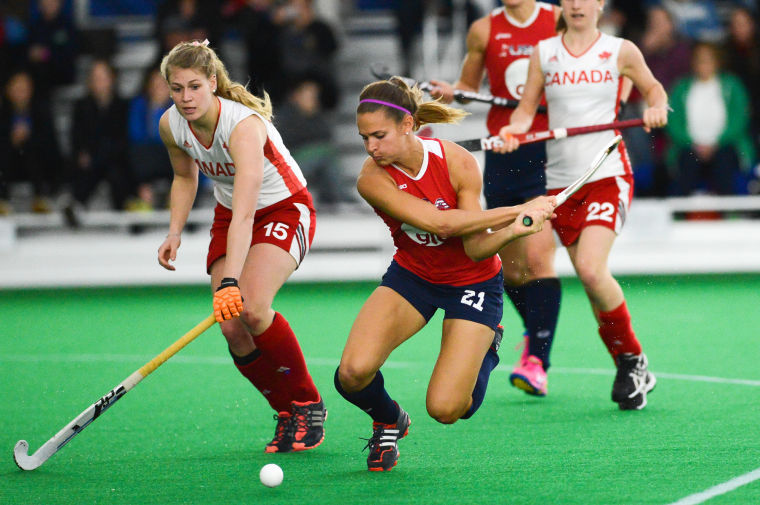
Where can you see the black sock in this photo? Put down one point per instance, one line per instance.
(373, 400)
(244, 360)
(538, 302)
(490, 360)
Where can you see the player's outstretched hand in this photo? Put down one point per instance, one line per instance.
(509, 142)
(168, 251)
(228, 302)
(442, 90)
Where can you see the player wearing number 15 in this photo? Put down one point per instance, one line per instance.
(263, 226)
(428, 193)
(581, 72)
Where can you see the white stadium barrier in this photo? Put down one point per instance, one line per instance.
(37, 251)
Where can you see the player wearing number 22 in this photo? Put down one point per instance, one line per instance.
(428, 193)
(581, 73)
(263, 226)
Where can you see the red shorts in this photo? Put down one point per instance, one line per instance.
(288, 224)
(600, 203)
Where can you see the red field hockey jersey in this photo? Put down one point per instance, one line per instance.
(510, 45)
(437, 260)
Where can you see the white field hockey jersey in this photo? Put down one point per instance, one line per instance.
(282, 176)
(581, 90)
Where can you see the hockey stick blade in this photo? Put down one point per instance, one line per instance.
(21, 455)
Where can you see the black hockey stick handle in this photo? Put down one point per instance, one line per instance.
(461, 96)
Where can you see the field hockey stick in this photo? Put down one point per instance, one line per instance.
(489, 143)
(563, 195)
(380, 71)
(27, 462)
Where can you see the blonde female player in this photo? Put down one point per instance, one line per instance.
(499, 45)
(581, 72)
(263, 226)
(428, 193)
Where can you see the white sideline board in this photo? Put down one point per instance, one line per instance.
(359, 248)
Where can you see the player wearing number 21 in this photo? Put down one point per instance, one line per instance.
(428, 193)
(499, 46)
(581, 71)
(263, 226)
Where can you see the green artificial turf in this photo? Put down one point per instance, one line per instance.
(193, 432)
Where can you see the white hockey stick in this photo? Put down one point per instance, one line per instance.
(575, 186)
(30, 462)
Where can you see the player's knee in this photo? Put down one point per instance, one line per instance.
(353, 377)
(235, 334)
(514, 276)
(590, 275)
(446, 410)
(257, 316)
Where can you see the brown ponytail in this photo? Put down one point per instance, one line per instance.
(396, 91)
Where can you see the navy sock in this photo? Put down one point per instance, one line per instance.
(373, 400)
(245, 360)
(490, 361)
(538, 302)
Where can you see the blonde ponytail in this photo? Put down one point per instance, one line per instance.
(199, 56)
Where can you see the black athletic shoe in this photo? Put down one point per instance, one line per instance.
(308, 424)
(632, 382)
(497, 336)
(283, 434)
(383, 446)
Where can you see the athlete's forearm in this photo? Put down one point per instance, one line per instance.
(182, 196)
(238, 243)
(480, 246)
(656, 96)
(521, 119)
(459, 222)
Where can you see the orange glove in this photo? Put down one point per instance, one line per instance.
(228, 302)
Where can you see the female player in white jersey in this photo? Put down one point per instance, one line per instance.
(428, 193)
(499, 45)
(581, 73)
(263, 226)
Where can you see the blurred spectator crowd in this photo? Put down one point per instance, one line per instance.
(112, 141)
(705, 52)
(707, 55)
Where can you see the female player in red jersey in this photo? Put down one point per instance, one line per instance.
(263, 226)
(428, 193)
(499, 45)
(581, 72)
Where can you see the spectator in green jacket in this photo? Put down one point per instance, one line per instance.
(711, 149)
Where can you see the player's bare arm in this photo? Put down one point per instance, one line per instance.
(247, 152)
(183, 190)
(522, 117)
(379, 190)
(632, 65)
(473, 65)
(486, 243)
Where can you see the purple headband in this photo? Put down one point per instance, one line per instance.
(387, 104)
